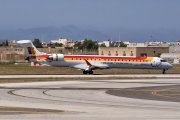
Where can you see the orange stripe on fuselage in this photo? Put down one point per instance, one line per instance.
(95, 57)
(104, 57)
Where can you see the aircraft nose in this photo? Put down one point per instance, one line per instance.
(170, 66)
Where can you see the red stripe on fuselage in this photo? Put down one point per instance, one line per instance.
(94, 57)
(105, 57)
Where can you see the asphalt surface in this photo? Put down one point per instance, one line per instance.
(137, 99)
(173, 76)
(169, 93)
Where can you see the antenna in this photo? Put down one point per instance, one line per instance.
(42, 38)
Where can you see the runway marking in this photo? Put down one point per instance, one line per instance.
(12, 92)
(134, 90)
(19, 110)
(25, 112)
(157, 93)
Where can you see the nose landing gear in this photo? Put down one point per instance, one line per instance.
(164, 71)
(85, 72)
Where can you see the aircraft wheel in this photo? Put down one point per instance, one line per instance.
(90, 72)
(84, 72)
(164, 71)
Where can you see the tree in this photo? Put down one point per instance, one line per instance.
(122, 45)
(78, 45)
(102, 45)
(58, 44)
(37, 43)
(87, 44)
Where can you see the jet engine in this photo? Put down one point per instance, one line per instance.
(56, 57)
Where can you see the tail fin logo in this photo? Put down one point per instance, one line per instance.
(31, 50)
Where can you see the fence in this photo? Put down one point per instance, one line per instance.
(18, 54)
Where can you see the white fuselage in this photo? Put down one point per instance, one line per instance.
(155, 63)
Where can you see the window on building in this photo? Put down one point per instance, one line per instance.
(131, 54)
(102, 53)
(109, 54)
(116, 53)
(143, 54)
(124, 53)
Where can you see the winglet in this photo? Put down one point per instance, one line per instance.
(88, 63)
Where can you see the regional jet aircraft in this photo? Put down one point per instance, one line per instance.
(88, 63)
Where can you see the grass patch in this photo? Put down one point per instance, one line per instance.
(15, 80)
(26, 69)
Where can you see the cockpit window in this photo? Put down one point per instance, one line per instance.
(163, 60)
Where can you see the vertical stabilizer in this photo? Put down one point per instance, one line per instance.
(29, 48)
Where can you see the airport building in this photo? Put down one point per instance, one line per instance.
(133, 51)
(8, 54)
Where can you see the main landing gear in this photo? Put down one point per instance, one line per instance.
(164, 71)
(85, 72)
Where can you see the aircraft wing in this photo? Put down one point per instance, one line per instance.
(80, 66)
(89, 66)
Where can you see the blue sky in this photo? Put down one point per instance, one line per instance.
(99, 14)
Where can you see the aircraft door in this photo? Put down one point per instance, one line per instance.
(155, 63)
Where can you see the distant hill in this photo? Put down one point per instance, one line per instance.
(49, 33)
(78, 33)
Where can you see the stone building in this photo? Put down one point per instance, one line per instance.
(132, 51)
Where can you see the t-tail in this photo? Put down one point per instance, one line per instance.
(29, 48)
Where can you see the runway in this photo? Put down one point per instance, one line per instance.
(136, 99)
(95, 75)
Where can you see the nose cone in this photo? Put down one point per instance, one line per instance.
(170, 66)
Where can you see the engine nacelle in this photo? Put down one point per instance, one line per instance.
(56, 57)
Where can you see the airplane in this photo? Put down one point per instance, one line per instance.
(88, 63)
